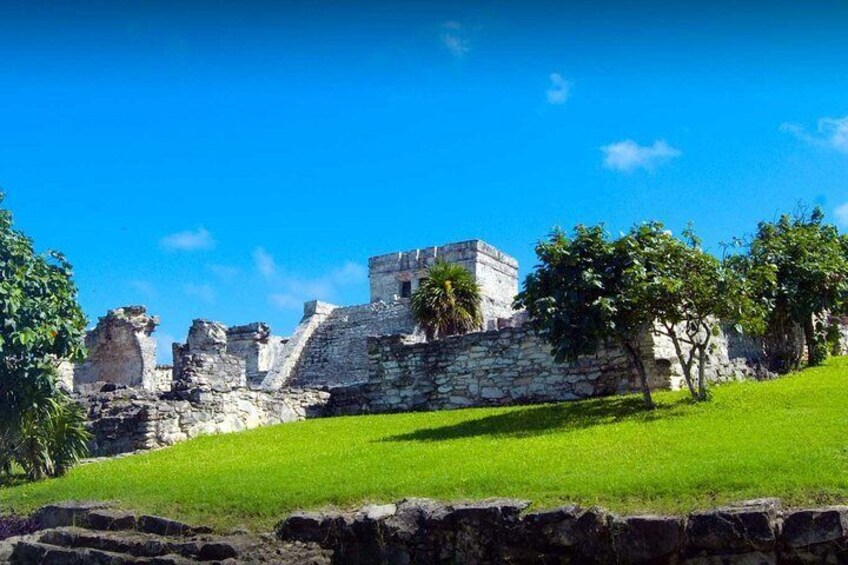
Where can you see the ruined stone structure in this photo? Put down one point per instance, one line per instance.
(350, 360)
(491, 368)
(121, 350)
(398, 275)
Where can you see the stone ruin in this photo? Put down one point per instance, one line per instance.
(350, 360)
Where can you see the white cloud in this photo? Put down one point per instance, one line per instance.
(204, 292)
(455, 39)
(559, 90)
(841, 214)
(830, 132)
(290, 292)
(188, 240)
(628, 155)
(264, 262)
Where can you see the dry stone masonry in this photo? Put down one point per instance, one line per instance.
(350, 360)
(498, 531)
(428, 532)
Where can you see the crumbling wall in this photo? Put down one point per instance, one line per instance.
(514, 366)
(203, 362)
(255, 344)
(491, 368)
(120, 350)
(123, 420)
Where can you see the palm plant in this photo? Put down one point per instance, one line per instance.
(448, 302)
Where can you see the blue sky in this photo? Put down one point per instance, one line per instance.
(230, 160)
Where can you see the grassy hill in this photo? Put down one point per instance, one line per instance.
(786, 438)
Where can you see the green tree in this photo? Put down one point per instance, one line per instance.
(589, 291)
(799, 266)
(40, 429)
(691, 294)
(583, 295)
(447, 302)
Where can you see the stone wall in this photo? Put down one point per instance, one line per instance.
(336, 353)
(491, 368)
(123, 420)
(513, 366)
(121, 351)
(498, 531)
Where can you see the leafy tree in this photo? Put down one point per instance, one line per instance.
(42, 322)
(448, 301)
(799, 266)
(588, 291)
(690, 293)
(584, 294)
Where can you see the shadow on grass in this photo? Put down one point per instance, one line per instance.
(549, 418)
(14, 480)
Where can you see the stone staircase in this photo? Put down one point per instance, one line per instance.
(82, 533)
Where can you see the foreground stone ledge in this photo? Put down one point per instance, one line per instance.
(500, 531)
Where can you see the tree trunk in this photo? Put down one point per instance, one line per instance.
(639, 365)
(810, 340)
(702, 372)
(685, 365)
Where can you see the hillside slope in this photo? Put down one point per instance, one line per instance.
(785, 438)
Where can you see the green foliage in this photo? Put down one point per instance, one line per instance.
(745, 443)
(42, 322)
(690, 293)
(447, 302)
(799, 266)
(589, 290)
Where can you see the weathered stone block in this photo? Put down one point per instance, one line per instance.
(802, 528)
(647, 539)
(732, 530)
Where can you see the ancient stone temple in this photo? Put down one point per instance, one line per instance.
(356, 359)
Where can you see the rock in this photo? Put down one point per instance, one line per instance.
(71, 513)
(732, 530)
(106, 519)
(480, 528)
(217, 551)
(802, 528)
(582, 535)
(375, 512)
(166, 527)
(647, 539)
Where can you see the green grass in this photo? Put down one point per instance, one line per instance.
(785, 438)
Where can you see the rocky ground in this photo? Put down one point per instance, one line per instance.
(83, 533)
(422, 531)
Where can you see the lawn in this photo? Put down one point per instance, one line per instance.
(785, 438)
